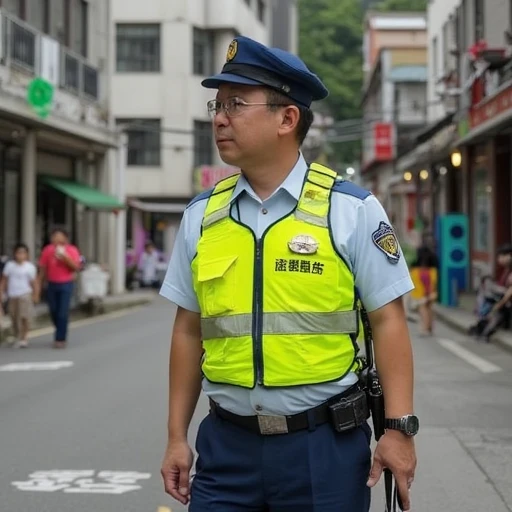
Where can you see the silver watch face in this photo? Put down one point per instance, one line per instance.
(411, 425)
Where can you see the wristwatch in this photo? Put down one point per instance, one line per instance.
(408, 425)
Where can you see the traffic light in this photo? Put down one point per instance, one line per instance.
(452, 234)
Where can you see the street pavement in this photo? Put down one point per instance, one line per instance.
(83, 429)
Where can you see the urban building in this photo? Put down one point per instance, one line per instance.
(394, 105)
(163, 51)
(60, 159)
(470, 95)
(428, 167)
(285, 25)
(484, 127)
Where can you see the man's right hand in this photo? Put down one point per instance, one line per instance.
(175, 471)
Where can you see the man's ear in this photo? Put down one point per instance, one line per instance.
(290, 119)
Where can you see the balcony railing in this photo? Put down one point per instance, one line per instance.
(21, 47)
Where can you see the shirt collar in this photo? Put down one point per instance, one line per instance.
(292, 183)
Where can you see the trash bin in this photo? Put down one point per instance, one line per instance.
(94, 286)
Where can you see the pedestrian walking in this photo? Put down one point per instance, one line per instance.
(148, 266)
(268, 271)
(59, 262)
(19, 285)
(424, 273)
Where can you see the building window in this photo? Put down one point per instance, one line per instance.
(16, 7)
(510, 14)
(203, 143)
(479, 20)
(80, 26)
(38, 15)
(482, 195)
(203, 52)
(248, 2)
(435, 59)
(144, 141)
(261, 10)
(138, 48)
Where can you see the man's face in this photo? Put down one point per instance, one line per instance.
(59, 238)
(21, 255)
(504, 260)
(252, 132)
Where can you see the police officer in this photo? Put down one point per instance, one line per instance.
(267, 272)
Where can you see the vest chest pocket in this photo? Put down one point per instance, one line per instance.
(217, 284)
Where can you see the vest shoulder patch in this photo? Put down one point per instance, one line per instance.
(351, 189)
(203, 195)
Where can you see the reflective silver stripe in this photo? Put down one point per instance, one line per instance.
(216, 216)
(310, 323)
(311, 219)
(343, 322)
(226, 326)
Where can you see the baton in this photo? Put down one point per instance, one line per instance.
(376, 402)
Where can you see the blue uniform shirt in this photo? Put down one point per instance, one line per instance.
(355, 216)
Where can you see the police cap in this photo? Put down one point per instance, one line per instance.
(251, 63)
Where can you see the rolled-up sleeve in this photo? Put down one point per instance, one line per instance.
(379, 278)
(177, 285)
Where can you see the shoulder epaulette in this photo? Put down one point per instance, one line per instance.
(203, 195)
(351, 189)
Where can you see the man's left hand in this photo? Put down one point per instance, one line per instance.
(395, 451)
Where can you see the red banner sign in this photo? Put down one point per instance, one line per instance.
(383, 141)
(207, 176)
(492, 108)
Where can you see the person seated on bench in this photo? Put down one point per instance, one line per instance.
(501, 294)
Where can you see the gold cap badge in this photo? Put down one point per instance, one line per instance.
(232, 49)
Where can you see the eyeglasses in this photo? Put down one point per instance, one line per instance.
(234, 106)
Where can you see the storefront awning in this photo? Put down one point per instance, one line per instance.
(88, 196)
(157, 207)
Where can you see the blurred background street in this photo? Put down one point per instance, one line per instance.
(105, 135)
(106, 412)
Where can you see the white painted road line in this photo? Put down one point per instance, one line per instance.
(478, 362)
(27, 367)
(87, 481)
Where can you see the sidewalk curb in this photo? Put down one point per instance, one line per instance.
(42, 319)
(497, 339)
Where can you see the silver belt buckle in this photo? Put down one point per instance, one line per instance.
(271, 425)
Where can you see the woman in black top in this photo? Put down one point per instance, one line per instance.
(427, 263)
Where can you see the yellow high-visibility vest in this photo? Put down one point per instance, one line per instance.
(282, 310)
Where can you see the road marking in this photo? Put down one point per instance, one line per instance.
(79, 481)
(26, 367)
(164, 509)
(36, 333)
(469, 357)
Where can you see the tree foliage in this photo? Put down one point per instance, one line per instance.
(402, 5)
(330, 43)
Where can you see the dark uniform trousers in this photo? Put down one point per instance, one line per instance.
(316, 470)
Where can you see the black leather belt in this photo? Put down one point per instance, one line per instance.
(271, 425)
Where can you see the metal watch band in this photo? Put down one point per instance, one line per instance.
(394, 424)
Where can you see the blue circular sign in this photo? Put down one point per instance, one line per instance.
(457, 255)
(456, 232)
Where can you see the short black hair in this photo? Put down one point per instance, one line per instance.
(504, 249)
(19, 246)
(306, 114)
(60, 230)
